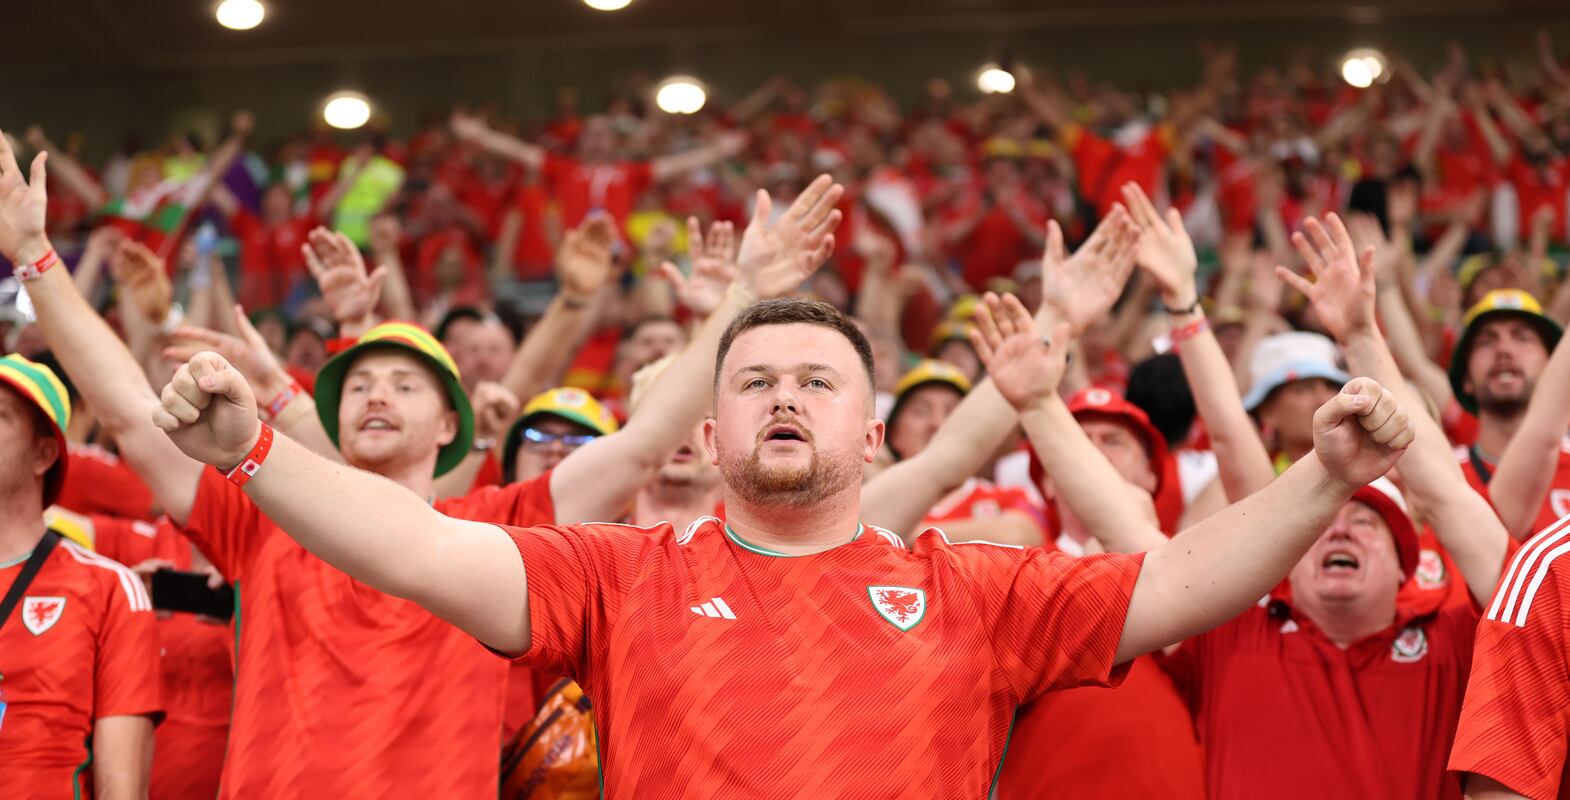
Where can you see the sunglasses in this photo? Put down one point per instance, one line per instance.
(538, 439)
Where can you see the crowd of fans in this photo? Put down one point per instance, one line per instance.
(1217, 262)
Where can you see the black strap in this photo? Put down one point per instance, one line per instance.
(1478, 465)
(35, 562)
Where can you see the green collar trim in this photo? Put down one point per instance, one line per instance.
(19, 559)
(764, 551)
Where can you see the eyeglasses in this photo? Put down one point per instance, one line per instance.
(536, 439)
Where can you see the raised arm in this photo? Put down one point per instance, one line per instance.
(103, 369)
(1526, 470)
(584, 265)
(1076, 291)
(71, 175)
(1343, 295)
(600, 479)
(473, 129)
(1026, 368)
(1214, 570)
(467, 573)
(1167, 255)
(724, 146)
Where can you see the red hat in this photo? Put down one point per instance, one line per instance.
(1099, 402)
(1386, 499)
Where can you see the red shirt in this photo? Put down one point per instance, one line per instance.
(446, 259)
(996, 245)
(1555, 505)
(1536, 187)
(79, 647)
(270, 258)
(1104, 166)
(983, 500)
(196, 667)
(341, 690)
(534, 257)
(1516, 720)
(1133, 741)
(579, 188)
(1284, 713)
(867, 670)
(98, 482)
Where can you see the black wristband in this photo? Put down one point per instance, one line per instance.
(1177, 312)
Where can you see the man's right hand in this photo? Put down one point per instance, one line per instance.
(22, 205)
(142, 275)
(1082, 288)
(209, 412)
(349, 291)
(778, 255)
(1361, 433)
(1343, 289)
(1025, 366)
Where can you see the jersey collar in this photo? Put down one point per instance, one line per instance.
(764, 551)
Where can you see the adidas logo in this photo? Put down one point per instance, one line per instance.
(714, 608)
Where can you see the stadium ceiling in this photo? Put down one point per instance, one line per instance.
(162, 35)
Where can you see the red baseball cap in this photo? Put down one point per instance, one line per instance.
(1383, 496)
(1098, 402)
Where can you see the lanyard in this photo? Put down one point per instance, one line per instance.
(1484, 473)
(35, 562)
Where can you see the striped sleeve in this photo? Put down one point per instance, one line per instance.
(125, 668)
(1516, 718)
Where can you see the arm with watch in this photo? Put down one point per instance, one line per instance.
(494, 410)
(1167, 255)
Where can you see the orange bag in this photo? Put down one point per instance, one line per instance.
(556, 756)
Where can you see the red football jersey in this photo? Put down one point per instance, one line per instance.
(79, 647)
(340, 690)
(982, 500)
(1555, 505)
(196, 667)
(720, 669)
(1133, 741)
(1282, 712)
(579, 188)
(98, 482)
(1516, 719)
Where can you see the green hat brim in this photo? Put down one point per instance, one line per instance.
(329, 392)
(1546, 328)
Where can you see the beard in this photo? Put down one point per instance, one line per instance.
(805, 485)
(1510, 405)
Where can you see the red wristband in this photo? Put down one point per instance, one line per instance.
(253, 460)
(281, 400)
(28, 272)
(1183, 333)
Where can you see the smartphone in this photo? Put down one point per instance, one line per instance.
(187, 591)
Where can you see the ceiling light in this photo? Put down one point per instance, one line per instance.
(607, 5)
(240, 15)
(995, 80)
(1363, 66)
(347, 110)
(680, 95)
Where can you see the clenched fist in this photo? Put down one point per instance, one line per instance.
(1361, 432)
(209, 412)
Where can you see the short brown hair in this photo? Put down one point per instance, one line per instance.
(796, 311)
